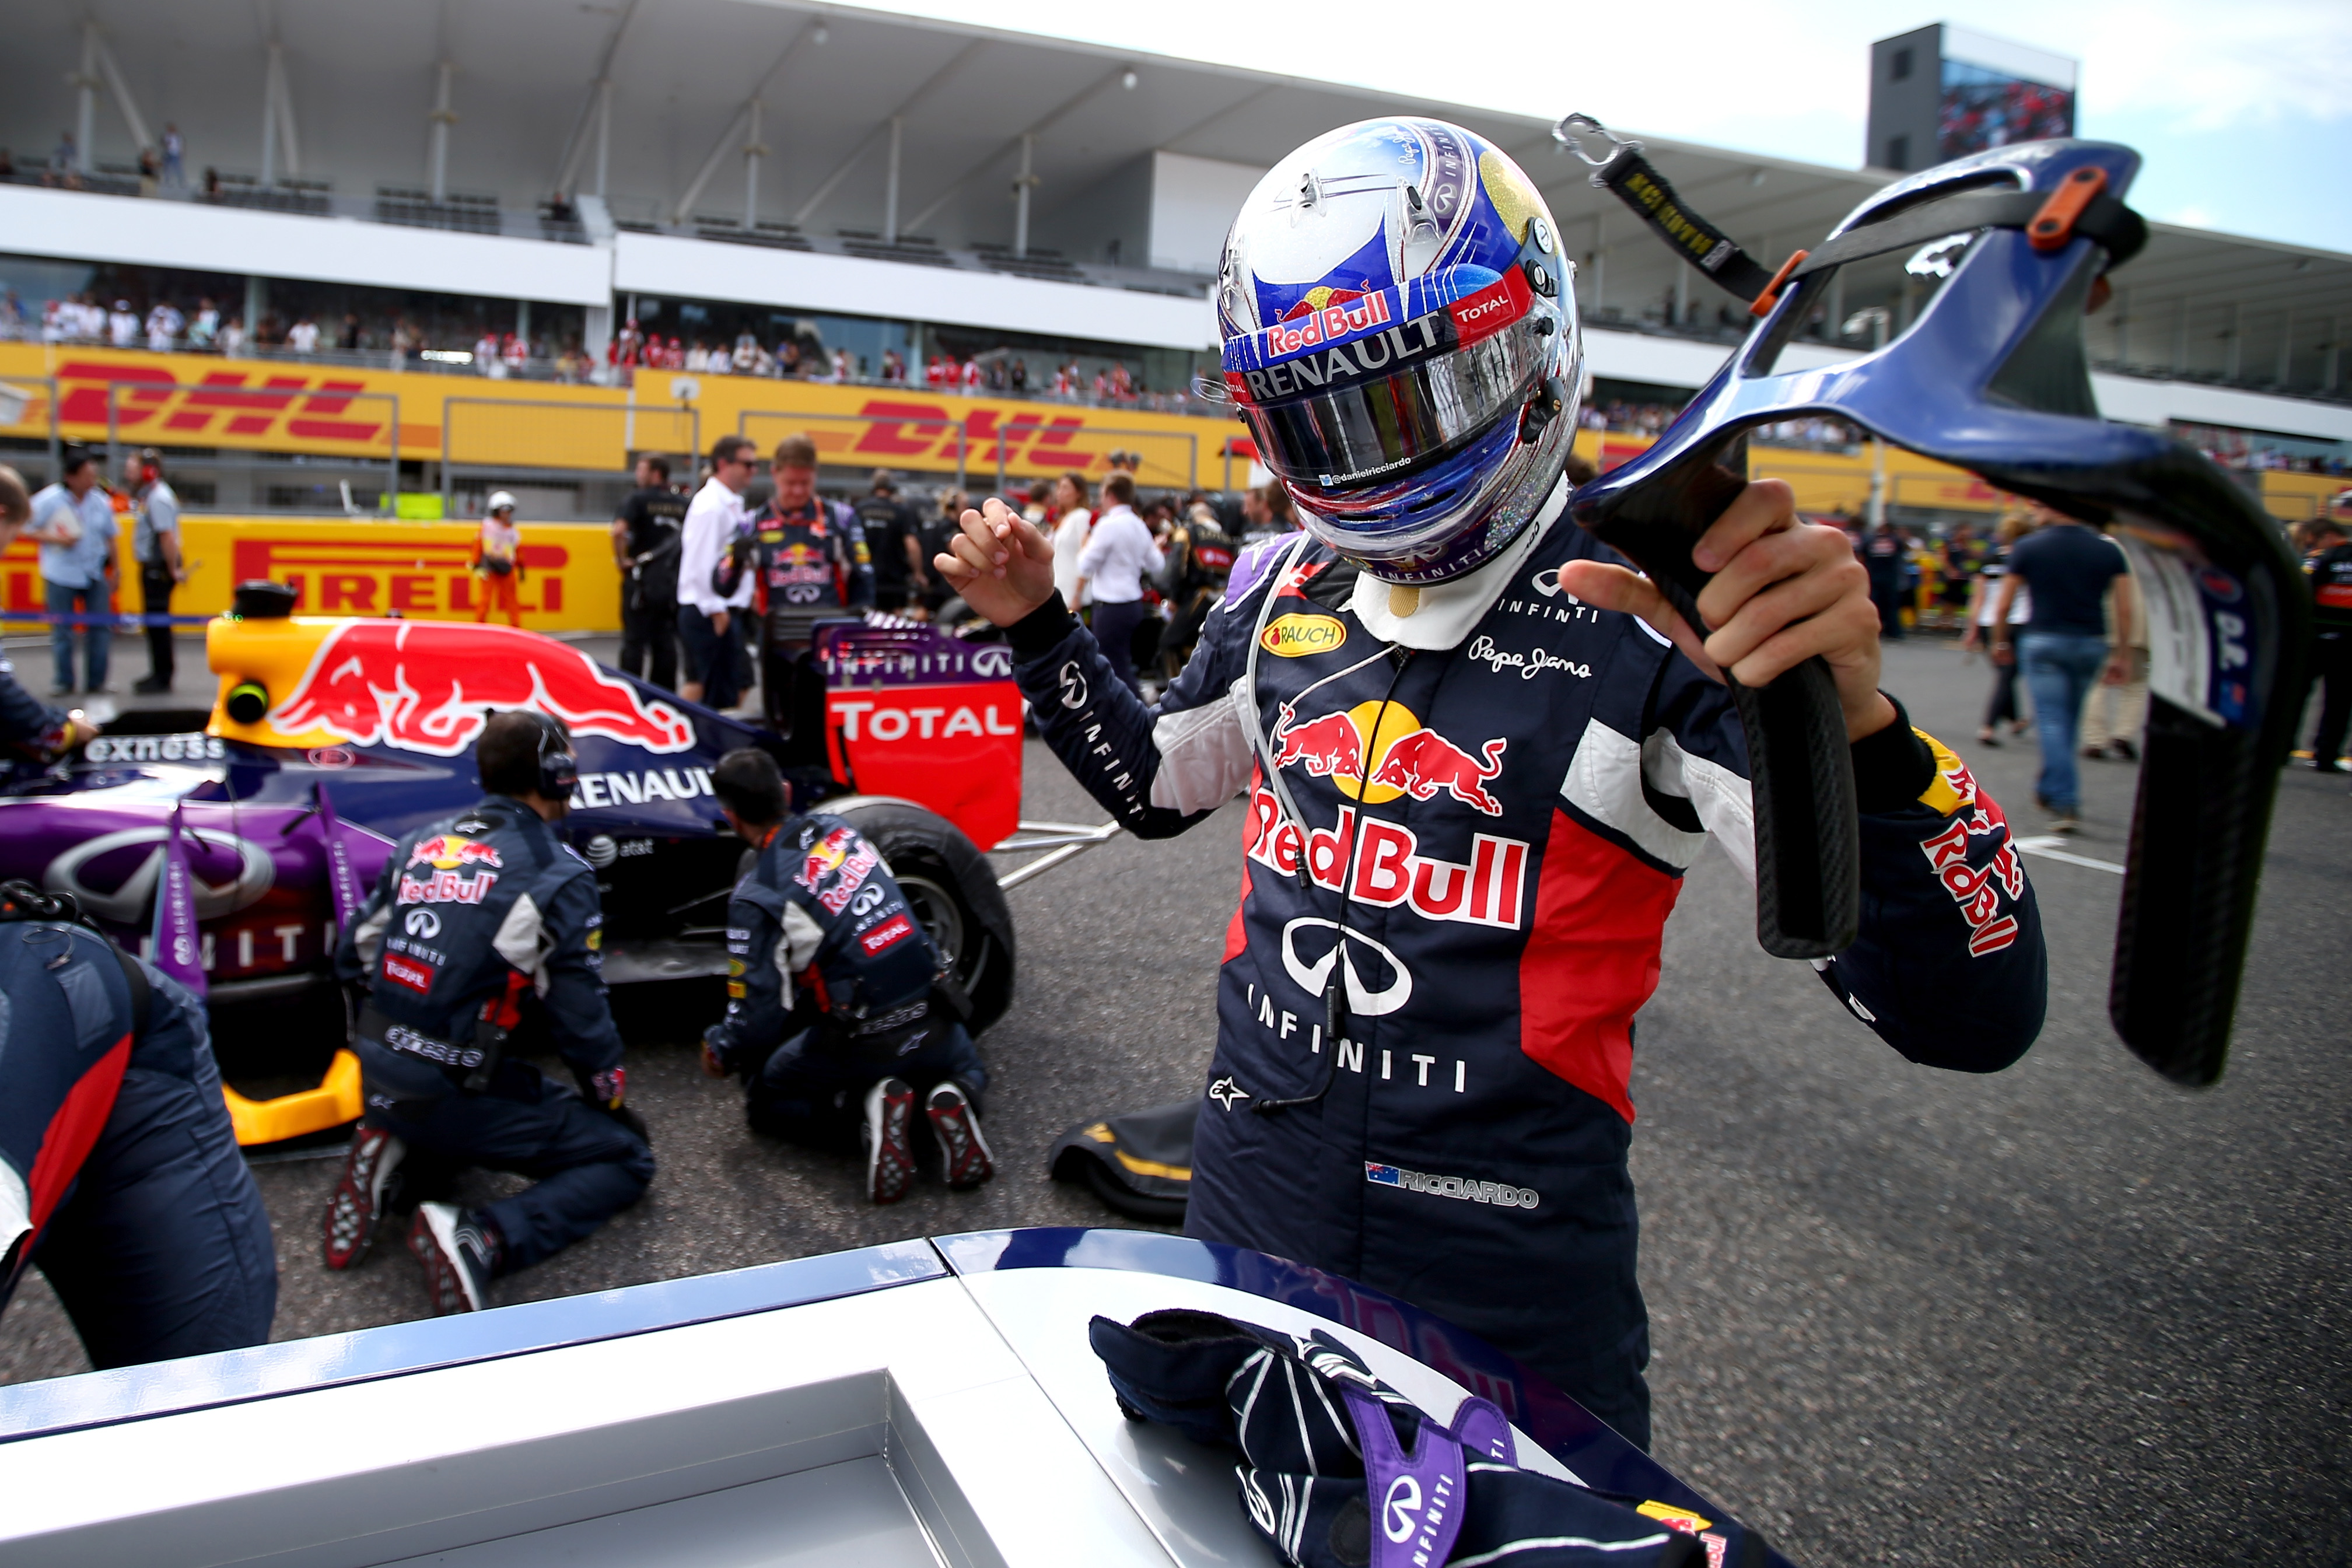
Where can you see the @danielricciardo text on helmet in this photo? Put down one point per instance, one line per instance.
(1401, 336)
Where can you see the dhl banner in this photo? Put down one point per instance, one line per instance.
(278, 405)
(515, 426)
(416, 570)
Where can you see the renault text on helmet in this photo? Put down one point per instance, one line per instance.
(1400, 334)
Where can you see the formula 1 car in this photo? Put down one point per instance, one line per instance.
(331, 737)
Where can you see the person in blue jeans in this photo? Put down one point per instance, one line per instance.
(74, 521)
(2064, 648)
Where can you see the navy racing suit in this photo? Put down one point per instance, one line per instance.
(491, 910)
(29, 729)
(832, 985)
(1508, 785)
(119, 1173)
(810, 563)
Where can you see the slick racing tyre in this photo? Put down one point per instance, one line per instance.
(953, 892)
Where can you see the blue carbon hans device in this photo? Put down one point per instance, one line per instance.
(1993, 377)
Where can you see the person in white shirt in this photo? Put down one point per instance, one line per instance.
(163, 324)
(302, 337)
(1117, 556)
(124, 325)
(706, 618)
(1070, 535)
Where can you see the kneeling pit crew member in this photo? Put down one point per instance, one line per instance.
(809, 558)
(1479, 754)
(479, 922)
(838, 1012)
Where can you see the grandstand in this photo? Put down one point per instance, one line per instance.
(469, 207)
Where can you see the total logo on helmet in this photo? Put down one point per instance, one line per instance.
(1376, 752)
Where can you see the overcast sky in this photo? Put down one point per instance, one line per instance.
(2241, 108)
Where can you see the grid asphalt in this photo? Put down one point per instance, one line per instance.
(2064, 1314)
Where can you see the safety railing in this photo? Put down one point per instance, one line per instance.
(883, 438)
(1023, 446)
(35, 417)
(322, 422)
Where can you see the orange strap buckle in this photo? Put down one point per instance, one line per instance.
(2053, 226)
(1771, 295)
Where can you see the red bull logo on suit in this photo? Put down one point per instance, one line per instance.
(1376, 752)
(1390, 868)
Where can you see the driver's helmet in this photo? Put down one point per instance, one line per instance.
(1400, 334)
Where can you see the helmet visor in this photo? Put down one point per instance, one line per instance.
(1369, 411)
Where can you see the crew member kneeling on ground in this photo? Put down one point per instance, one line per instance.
(1476, 775)
(479, 922)
(838, 1013)
(119, 1175)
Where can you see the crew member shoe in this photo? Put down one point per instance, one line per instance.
(370, 1173)
(964, 1159)
(458, 1256)
(889, 1142)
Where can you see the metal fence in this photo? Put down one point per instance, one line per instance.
(163, 414)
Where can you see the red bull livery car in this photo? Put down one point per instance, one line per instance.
(329, 739)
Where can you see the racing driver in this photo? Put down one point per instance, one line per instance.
(1480, 753)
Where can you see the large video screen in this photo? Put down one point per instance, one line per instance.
(1984, 108)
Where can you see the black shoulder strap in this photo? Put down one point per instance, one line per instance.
(1653, 200)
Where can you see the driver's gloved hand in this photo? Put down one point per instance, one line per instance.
(1284, 1400)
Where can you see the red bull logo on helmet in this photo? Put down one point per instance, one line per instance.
(425, 686)
(1376, 752)
(1334, 317)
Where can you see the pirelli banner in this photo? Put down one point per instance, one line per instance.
(419, 571)
(478, 423)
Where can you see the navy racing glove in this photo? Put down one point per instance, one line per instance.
(1340, 1470)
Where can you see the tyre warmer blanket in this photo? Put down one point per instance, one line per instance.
(1340, 1470)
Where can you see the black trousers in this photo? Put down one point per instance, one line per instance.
(2331, 664)
(1887, 595)
(649, 633)
(2003, 706)
(792, 695)
(1115, 632)
(155, 599)
(586, 1166)
(710, 657)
